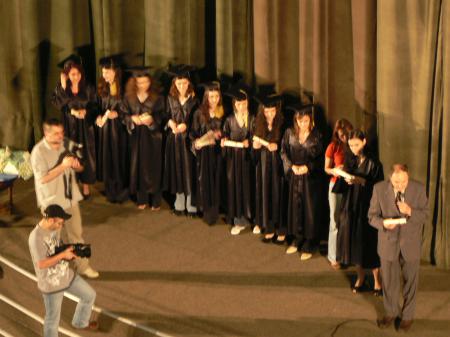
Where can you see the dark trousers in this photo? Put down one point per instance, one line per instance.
(391, 283)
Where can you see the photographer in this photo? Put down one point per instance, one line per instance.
(54, 275)
(54, 170)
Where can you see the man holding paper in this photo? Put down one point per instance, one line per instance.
(398, 209)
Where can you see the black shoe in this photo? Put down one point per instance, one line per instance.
(192, 215)
(268, 240)
(359, 289)
(378, 292)
(177, 213)
(385, 322)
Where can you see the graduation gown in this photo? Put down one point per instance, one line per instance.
(239, 168)
(80, 130)
(302, 196)
(269, 183)
(145, 145)
(112, 151)
(357, 240)
(179, 168)
(209, 167)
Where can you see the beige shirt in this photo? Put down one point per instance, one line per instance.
(43, 159)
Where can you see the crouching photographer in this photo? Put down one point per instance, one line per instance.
(51, 264)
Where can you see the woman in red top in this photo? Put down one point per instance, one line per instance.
(334, 157)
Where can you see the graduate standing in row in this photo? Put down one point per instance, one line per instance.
(144, 110)
(179, 169)
(112, 147)
(357, 240)
(205, 135)
(77, 102)
(301, 152)
(269, 170)
(236, 142)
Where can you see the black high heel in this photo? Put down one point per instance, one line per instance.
(377, 292)
(359, 289)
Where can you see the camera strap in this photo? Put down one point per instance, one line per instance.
(68, 185)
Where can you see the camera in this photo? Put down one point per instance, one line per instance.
(79, 249)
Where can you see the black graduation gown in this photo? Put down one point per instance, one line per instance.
(179, 168)
(209, 167)
(357, 240)
(302, 196)
(239, 168)
(145, 145)
(269, 183)
(80, 130)
(112, 151)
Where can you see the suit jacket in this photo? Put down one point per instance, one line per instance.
(406, 238)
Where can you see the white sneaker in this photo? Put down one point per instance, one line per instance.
(236, 229)
(90, 273)
(291, 250)
(256, 230)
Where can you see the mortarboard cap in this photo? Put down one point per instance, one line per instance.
(303, 110)
(214, 85)
(69, 60)
(181, 71)
(112, 61)
(270, 101)
(237, 93)
(139, 71)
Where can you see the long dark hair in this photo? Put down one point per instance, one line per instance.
(300, 113)
(261, 125)
(67, 68)
(204, 107)
(341, 124)
(131, 89)
(351, 161)
(174, 91)
(103, 88)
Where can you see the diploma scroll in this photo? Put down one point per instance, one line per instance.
(206, 139)
(105, 116)
(75, 113)
(145, 117)
(397, 221)
(262, 141)
(342, 173)
(231, 143)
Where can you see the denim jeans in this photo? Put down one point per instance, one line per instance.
(53, 301)
(183, 202)
(335, 202)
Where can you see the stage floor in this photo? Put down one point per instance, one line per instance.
(184, 278)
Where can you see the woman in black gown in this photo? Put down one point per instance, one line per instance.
(77, 102)
(238, 128)
(112, 147)
(269, 170)
(301, 151)
(143, 116)
(205, 134)
(357, 240)
(179, 168)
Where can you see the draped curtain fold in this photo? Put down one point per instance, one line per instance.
(382, 64)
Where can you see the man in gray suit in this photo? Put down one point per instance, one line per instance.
(398, 209)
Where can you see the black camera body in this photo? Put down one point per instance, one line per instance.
(73, 149)
(79, 249)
